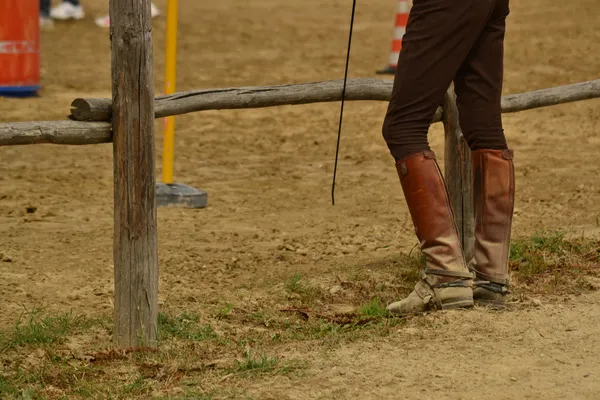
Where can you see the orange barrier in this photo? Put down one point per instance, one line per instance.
(19, 47)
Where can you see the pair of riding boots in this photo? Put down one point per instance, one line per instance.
(448, 280)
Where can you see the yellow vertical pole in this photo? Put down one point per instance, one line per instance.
(170, 78)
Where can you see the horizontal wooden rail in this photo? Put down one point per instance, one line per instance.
(551, 97)
(244, 97)
(79, 132)
(55, 132)
(316, 92)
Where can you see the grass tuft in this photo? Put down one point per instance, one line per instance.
(374, 309)
(224, 312)
(261, 364)
(7, 388)
(184, 326)
(551, 253)
(304, 291)
(250, 363)
(137, 387)
(32, 328)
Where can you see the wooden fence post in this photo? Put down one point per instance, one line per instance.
(135, 237)
(457, 171)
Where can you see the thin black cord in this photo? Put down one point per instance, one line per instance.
(337, 149)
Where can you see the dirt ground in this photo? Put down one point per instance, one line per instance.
(268, 175)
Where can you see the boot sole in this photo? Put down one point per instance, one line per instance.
(458, 303)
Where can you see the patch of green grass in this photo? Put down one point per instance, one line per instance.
(305, 292)
(224, 312)
(522, 249)
(375, 308)
(294, 284)
(23, 385)
(185, 327)
(324, 329)
(261, 364)
(548, 252)
(75, 381)
(137, 387)
(370, 321)
(7, 388)
(263, 317)
(85, 390)
(33, 328)
(258, 317)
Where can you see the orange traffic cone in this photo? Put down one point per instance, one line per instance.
(399, 30)
(19, 48)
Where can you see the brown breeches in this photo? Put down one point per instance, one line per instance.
(460, 41)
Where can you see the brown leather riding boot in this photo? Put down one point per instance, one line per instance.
(446, 281)
(494, 193)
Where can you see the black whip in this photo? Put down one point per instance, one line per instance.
(337, 149)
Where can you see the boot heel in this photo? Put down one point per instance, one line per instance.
(488, 298)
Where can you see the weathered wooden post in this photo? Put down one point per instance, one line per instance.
(135, 240)
(457, 171)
